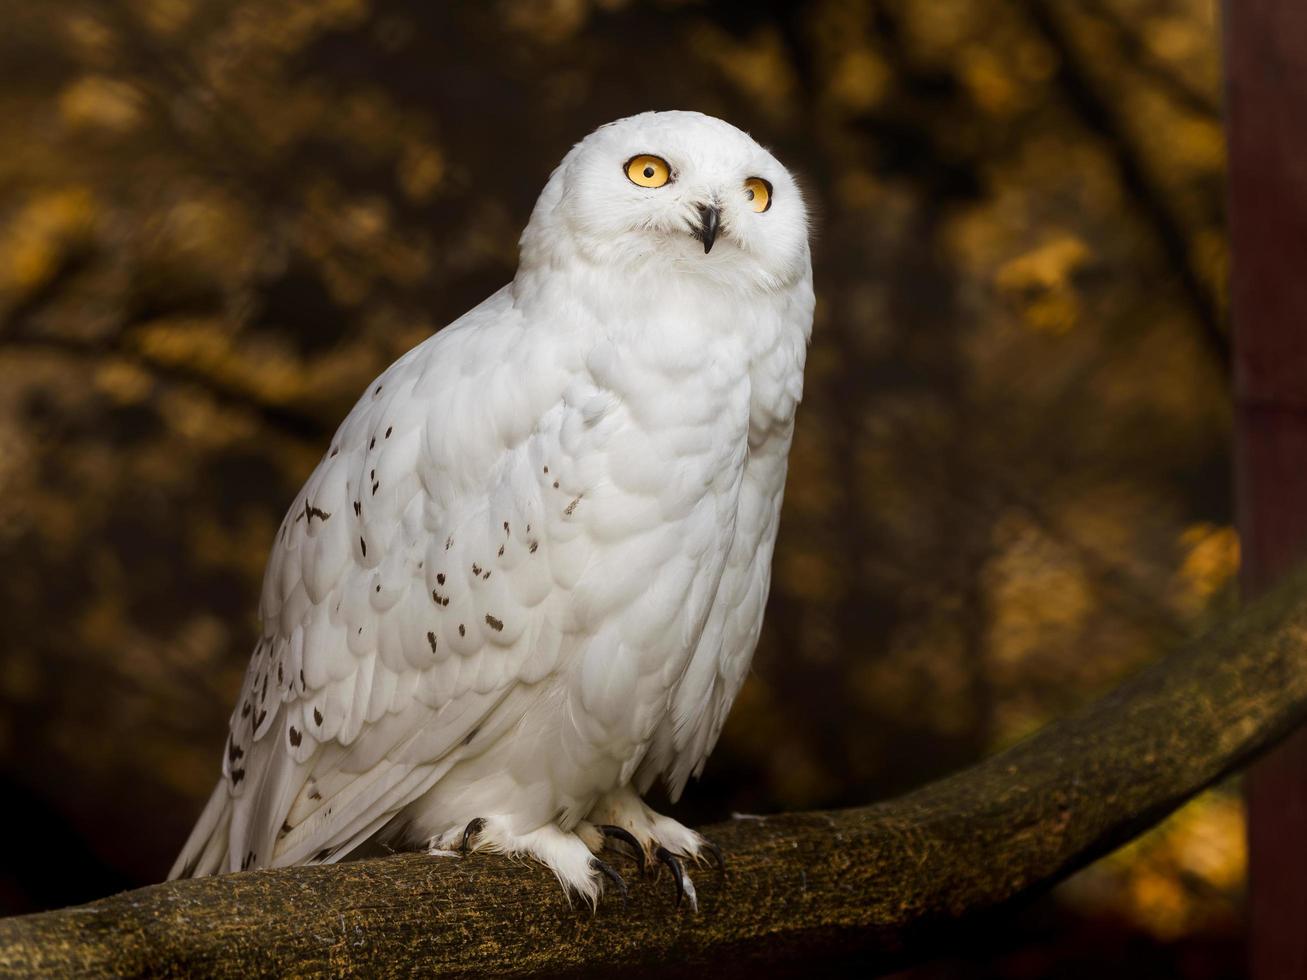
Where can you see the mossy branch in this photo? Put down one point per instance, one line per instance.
(884, 881)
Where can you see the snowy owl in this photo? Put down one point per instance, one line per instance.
(527, 577)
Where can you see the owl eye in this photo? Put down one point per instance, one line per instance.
(758, 193)
(647, 170)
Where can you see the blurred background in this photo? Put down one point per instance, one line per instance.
(219, 219)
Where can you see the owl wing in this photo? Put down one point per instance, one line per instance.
(403, 607)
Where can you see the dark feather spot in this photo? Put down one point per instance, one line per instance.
(237, 775)
(296, 737)
(567, 511)
(358, 508)
(555, 484)
(312, 512)
(440, 578)
(389, 430)
(438, 599)
(372, 444)
(471, 735)
(486, 575)
(431, 638)
(501, 551)
(316, 794)
(374, 488)
(317, 717)
(506, 530)
(364, 545)
(534, 546)
(259, 720)
(495, 624)
(234, 751)
(461, 630)
(476, 569)
(334, 450)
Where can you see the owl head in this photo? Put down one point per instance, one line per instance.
(672, 194)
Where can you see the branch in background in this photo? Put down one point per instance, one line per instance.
(281, 418)
(1144, 61)
(1099, 114)
(885, 881)
(14, 335)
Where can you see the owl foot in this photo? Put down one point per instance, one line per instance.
(632, 849)
(564, 853)
(624, 823)
(618, 881)
(683, 882)
(474, 827)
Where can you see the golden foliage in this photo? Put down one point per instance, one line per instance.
(218, 221)
(1181, 878)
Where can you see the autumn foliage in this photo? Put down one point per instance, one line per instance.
(218, 221)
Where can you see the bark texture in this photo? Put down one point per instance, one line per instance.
(885, 881)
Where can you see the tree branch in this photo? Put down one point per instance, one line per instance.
(284, 419)
(883, 881)
(1179, 89)
(1099, 113)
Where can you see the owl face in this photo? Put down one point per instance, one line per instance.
(678, 194)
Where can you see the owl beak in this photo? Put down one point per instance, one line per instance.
(710, 217)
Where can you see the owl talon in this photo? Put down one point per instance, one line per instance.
(474, 827)
(623, 835)
(684, 885)
(715, 853)
(608, 872)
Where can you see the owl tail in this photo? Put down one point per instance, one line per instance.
(205, 852)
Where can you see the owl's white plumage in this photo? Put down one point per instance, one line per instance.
(528, 575)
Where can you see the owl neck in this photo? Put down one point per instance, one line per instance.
(628, 287)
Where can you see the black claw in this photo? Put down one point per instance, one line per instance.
(715, 853)
(677, 869)
(626, 837)
(607, 871)
(474, 827)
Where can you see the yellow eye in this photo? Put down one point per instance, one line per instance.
(648, 171)
(758, 191)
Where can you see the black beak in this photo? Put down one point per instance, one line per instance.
(709, 219)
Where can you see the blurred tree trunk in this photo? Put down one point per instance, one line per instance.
(1266, 57)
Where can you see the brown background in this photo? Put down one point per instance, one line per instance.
(218, 221)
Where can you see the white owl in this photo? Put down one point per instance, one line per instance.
(528, 575)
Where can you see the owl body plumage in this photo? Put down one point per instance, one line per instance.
(527, 577)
